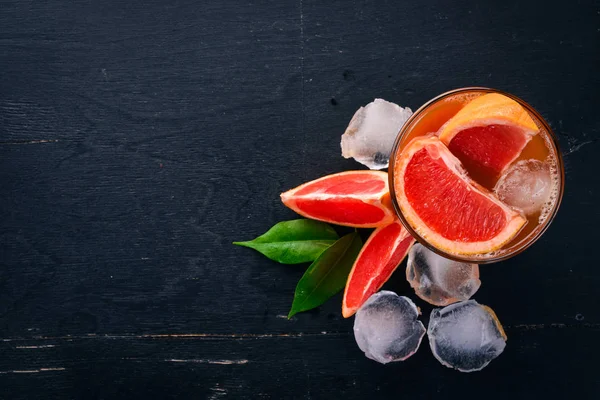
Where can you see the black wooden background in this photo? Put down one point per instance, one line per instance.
(138, 139)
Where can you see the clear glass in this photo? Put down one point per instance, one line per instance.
(516, 246)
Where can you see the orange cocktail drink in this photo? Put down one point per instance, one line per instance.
(476, 175)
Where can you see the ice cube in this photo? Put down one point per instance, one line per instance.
(370, 135)
(465, 336)
(526, 185)
(386, 327)
(440, 281)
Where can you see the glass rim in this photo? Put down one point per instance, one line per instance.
(518, 247)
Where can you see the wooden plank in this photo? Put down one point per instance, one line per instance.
(139, 139)
(300, 366)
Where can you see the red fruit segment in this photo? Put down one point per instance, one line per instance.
(353, 198)
(428, 185)
(488, 133)
(380, 256)
(445, 206)
(490, 148)
(351, 211)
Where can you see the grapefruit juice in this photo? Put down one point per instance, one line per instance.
(543, 147)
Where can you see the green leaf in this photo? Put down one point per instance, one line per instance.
(294, 242)
(327, 275)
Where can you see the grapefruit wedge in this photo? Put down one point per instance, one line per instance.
(445, 206)
(488, 133)
(353, 198)
(378, 259)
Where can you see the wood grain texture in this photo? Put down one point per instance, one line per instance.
(139, 139)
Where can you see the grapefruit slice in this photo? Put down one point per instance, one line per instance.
(378, 259)
(353, 198)
(488, 133)
(445, 206)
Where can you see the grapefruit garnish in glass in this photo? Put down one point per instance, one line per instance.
(446, 162)
(447, 208)
(488, 133)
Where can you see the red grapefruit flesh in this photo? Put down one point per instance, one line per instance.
(488, 148)
(380, 256)
(353, 198)
(488, 133)
(447, 208)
